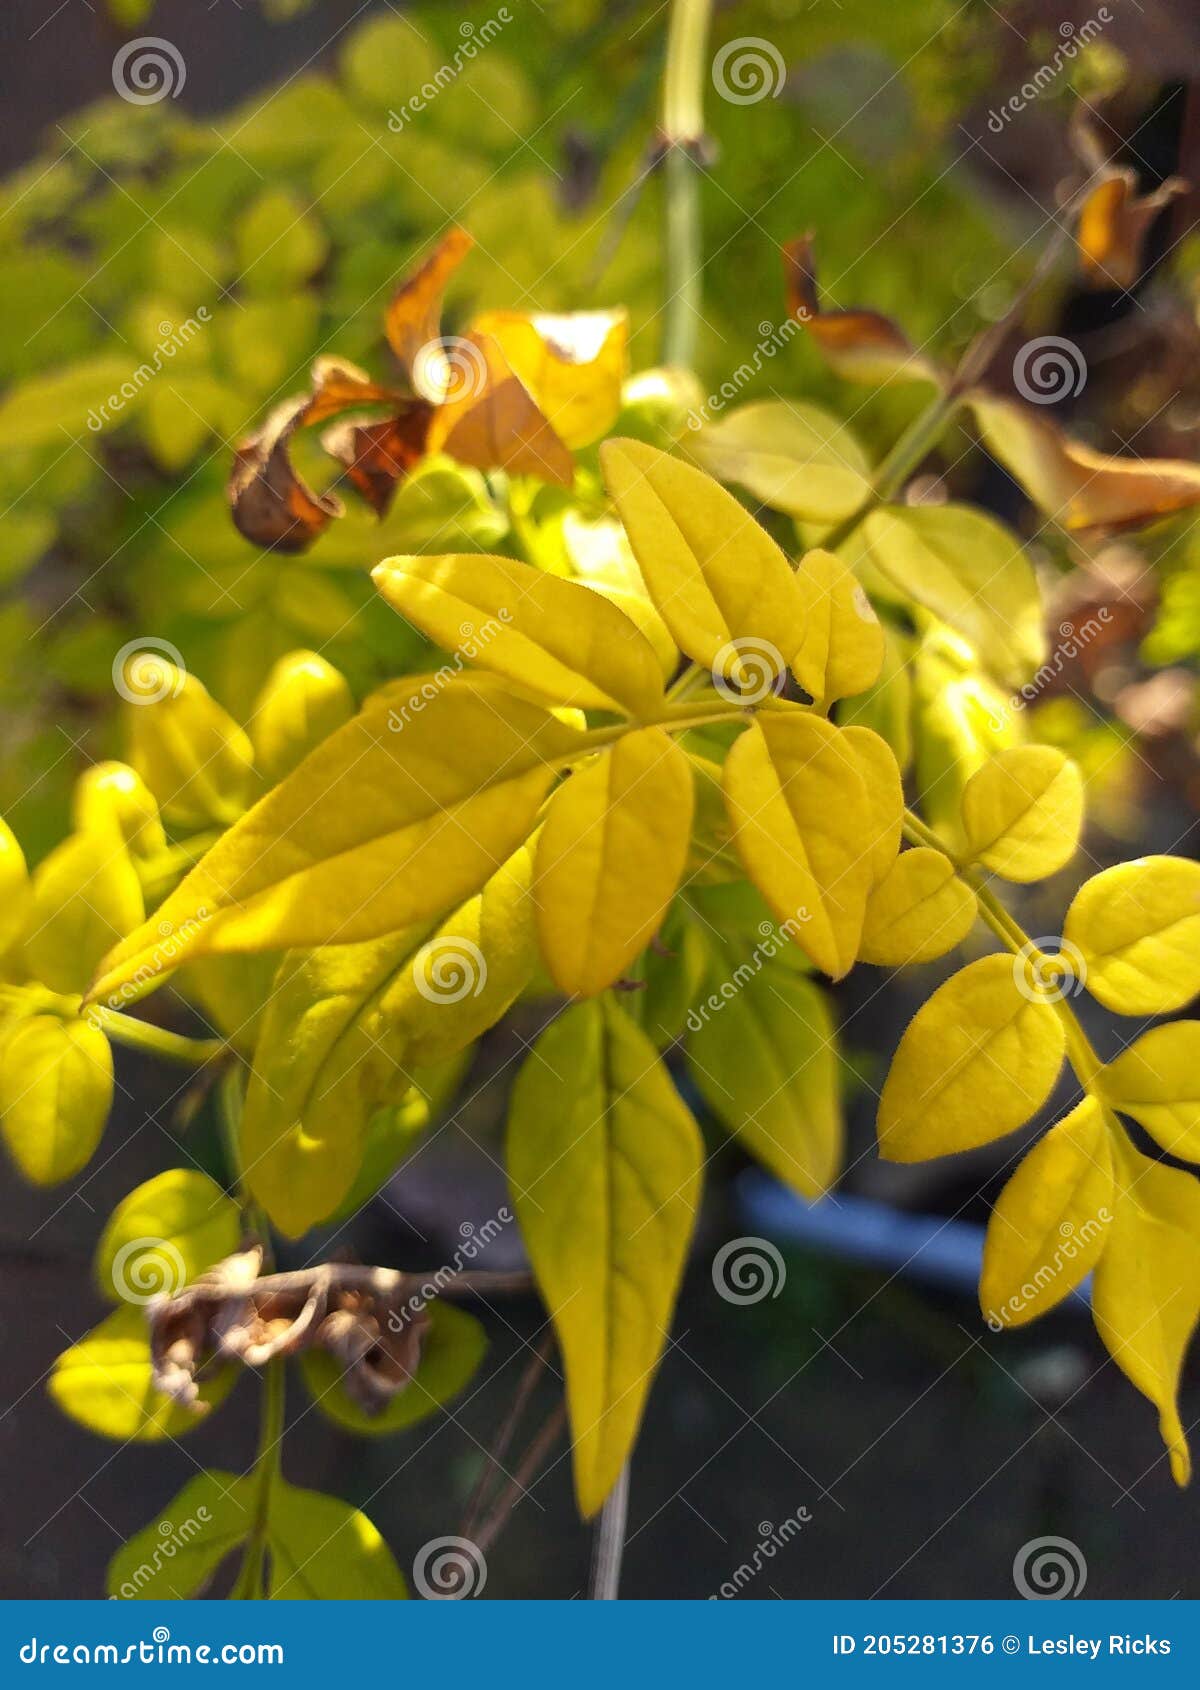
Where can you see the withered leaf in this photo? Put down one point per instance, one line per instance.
(338, 385)
(414, 316)
(378, 455)
(861, 345)
(1114, 221)
(270, 503)
(494, 422)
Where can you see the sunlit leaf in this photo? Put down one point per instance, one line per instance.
(1137, 928)
(1023, 811)
(918, 911)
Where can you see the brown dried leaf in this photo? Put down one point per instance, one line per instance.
(271, 505)
(338, 385)
(414, 317)
(493, 421)
(861, 345)
(378, 455)
(1114, 221)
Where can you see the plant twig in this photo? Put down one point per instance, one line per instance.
(610, 1541)
(494, 1460)
(683, 137)
(541, 1445)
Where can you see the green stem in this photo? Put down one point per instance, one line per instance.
(683, 134)
(917, 441)
(155, 1041)
(250, 1581)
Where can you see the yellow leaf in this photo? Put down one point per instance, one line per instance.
(1146, 1292)
(716, 576)
(490, 419)
(885, 794)
(1137, 928)
(843, 647)
(765, 1060)
(602, 558)
(164, 1234)
(1051, 1223)
(918, 911)
(977, 1060)
(191, 754)
(113, 798)
(1023, 811)
(303, 700)
(970, 572)
(1157, 1081)
(609, 859)
(346, 1024)
(106, 1383)
(886, 707)
(572, 364)
(553, 638)
(396, 818)
(56, 1085)
(801, 816)
(14, 888)
(795, 458)
(86, 896)
(604, 1162)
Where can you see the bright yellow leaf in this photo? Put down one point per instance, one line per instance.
(163, 1234)
(795, 458)
(977, 1060)
(844, 643)
(190, 752)
(552, 638)
(802, 826)
(885, 794)
(573, 364)
(303, 700)
(1146, 1292)
(86, 896)
(1051, 1222)
(715, 574)
(113, 798)
(604, 1162)
(14, 888)
(396, 818)
(609, 859)
(105, 1382)
(1137, 928)
(920, 910)
(1022, 812)
(56, 1086)
(1157, 1081)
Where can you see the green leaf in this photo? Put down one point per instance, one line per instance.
(969, 571)
(105, 1382)
(86, 896)
(450, 1356)
(321, 1549)
(176, 1555)
(761, 1049)
(67, 404)
(604, 1162)
(795, 458)
(977, 1060)
(56, 1086)
(278, 243)
(164, 1234)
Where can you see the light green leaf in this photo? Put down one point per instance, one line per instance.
(105, 1382)
(56, 1086)
(176, 1555)
(795, 458)
(1137, 928)
(164, 1234)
